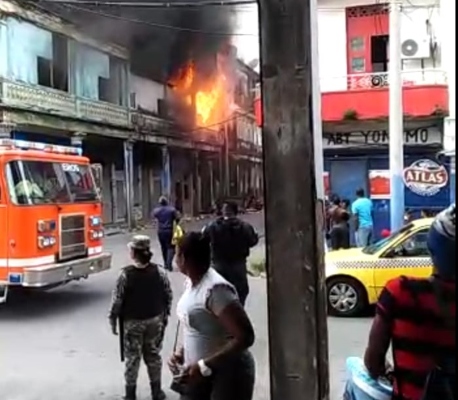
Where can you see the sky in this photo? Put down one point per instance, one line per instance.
(247, 27)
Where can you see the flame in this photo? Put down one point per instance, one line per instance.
(209, 95)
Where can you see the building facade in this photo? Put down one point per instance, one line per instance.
(353, 39)
(59, 86)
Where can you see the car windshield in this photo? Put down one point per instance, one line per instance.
(44, 182)
(377, 246)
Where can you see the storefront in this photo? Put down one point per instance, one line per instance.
(359, 159)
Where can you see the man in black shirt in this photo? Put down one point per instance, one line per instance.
(142, 301)
(231, 240)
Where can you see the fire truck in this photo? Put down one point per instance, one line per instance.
(51, 228)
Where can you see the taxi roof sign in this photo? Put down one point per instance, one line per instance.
(51, 148)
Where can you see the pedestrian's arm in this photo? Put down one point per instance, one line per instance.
(168, 292)
(224, 304)
(253, 238)
(354, 211)
(381, 333)
(117, 298)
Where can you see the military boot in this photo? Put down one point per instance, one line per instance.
(131, 393)
(156, 391)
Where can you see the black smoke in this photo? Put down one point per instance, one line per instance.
(162, 39)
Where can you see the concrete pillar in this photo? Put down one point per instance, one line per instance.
(77, 139)
(6, 130)
(211, 179)
(129, 179)
(448, 54)
(166, 173)
(196, 182)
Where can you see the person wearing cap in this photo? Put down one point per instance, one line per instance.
(142, 300)
(167, 216)
(417, 317)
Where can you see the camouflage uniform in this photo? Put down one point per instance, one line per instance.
(142, 338)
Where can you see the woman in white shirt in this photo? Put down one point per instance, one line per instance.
(217, 331)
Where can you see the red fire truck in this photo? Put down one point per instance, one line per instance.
(51, 229)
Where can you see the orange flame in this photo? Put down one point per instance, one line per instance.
(209, 94)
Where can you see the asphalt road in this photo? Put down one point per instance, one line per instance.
(57, 345)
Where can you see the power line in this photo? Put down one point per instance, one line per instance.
(153, 24)
(167, 5)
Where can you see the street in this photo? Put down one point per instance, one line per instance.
(58, 346)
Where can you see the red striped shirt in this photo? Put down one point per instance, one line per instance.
(420, 334)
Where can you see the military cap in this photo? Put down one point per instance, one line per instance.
(140, 242)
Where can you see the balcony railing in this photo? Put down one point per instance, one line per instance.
(55, 102)
(380, 80)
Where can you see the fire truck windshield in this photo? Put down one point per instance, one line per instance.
(44, 182)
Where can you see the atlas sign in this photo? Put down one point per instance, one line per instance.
(425, 177)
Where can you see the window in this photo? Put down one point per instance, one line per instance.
(111, 89)
(358, 65)
(414, 246)
(357, 44)
(43, 182)
(53, 72)
(379, 53)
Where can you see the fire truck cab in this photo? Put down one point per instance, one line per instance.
(51, 229)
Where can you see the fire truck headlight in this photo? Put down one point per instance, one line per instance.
(46, 226)
(95, 221)
(41, 226)
(46, 241)
(96, 235)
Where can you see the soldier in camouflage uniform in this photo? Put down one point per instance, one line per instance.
(142, 300)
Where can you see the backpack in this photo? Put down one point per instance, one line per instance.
(441, 380)
(229, 240)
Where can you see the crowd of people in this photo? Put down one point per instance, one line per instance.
(213, 361)
(341, 214)
(211, 358)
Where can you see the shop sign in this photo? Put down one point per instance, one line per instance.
(425, 177)
(412, 137)
(379, 183)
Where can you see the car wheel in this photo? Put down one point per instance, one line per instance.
(346, 297)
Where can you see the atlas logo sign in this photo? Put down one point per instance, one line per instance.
(425, 177)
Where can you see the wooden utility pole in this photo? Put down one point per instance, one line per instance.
(296, 290)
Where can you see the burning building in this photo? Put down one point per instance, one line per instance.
(157, 104)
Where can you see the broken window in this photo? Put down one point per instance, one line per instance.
(113, 89)
(53, 72)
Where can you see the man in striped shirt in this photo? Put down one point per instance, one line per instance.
(417, 317)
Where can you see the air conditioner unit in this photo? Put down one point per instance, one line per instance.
(416, 48)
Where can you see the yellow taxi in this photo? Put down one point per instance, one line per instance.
(356, 277)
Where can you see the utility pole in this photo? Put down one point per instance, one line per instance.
(296, 290)
(316, 105)
(396, 124)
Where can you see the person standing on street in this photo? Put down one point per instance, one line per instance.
(142, 301)
(214, 360)
(363, 211)
(231, 240)
(167, 216)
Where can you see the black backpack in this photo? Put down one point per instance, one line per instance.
(229, 240)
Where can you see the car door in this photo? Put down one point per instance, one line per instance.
(409, 257)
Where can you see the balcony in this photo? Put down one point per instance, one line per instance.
(366, 96)
(149, 124)
(54, 102)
